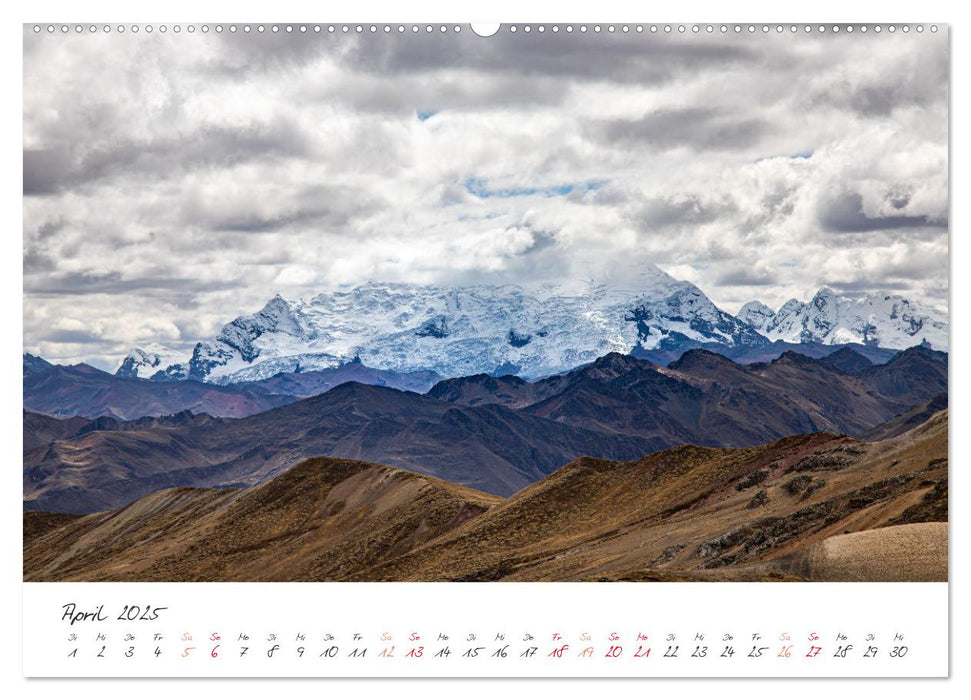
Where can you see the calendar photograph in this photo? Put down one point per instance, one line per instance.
(415, 303)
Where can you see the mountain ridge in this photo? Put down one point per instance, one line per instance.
(496, 438)
(82, 390)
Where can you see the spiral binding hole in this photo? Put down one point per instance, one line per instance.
(512, 28)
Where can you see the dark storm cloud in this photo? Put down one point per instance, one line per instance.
(74, 283)
(413, 94)
(47, 171)
(682, 211)
(258, 224)
(700, 128)
(917, 79)
(608, 196)
(541, 241)
(864, 285)
(899, 200)
(778, 202)
(747, 275)
(72, 336)
(38, 261)
(321, 206)
(269, 51)
(844, 214)
(49, 228)
(876, 99)
(720, 249)
(618, 57)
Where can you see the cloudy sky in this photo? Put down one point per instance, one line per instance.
(173, 182)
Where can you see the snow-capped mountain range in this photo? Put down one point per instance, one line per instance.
(884, 320)
(460, 331)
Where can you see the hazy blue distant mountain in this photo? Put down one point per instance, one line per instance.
(493, 434)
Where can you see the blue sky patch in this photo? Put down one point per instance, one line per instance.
(803, 155)
(478, 187)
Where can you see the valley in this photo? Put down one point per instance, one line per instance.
(816, 507)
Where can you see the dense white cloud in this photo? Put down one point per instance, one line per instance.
(173, 182)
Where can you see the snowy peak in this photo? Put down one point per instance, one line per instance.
(529, 332)
(880, 319)
(460, 331)
(790, 308)
(276, 317)
(153, 359)
(756, 314)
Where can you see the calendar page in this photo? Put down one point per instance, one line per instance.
(541, 350)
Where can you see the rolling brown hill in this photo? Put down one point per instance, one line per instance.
(695, 513)
(772, 512)
(323, 519)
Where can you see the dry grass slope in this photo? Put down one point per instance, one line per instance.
(807, 507)
(324, 519)
(915, 552)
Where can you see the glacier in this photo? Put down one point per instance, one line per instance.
(528, 331)
(880, 319)
(154, 361)
(458, 331)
